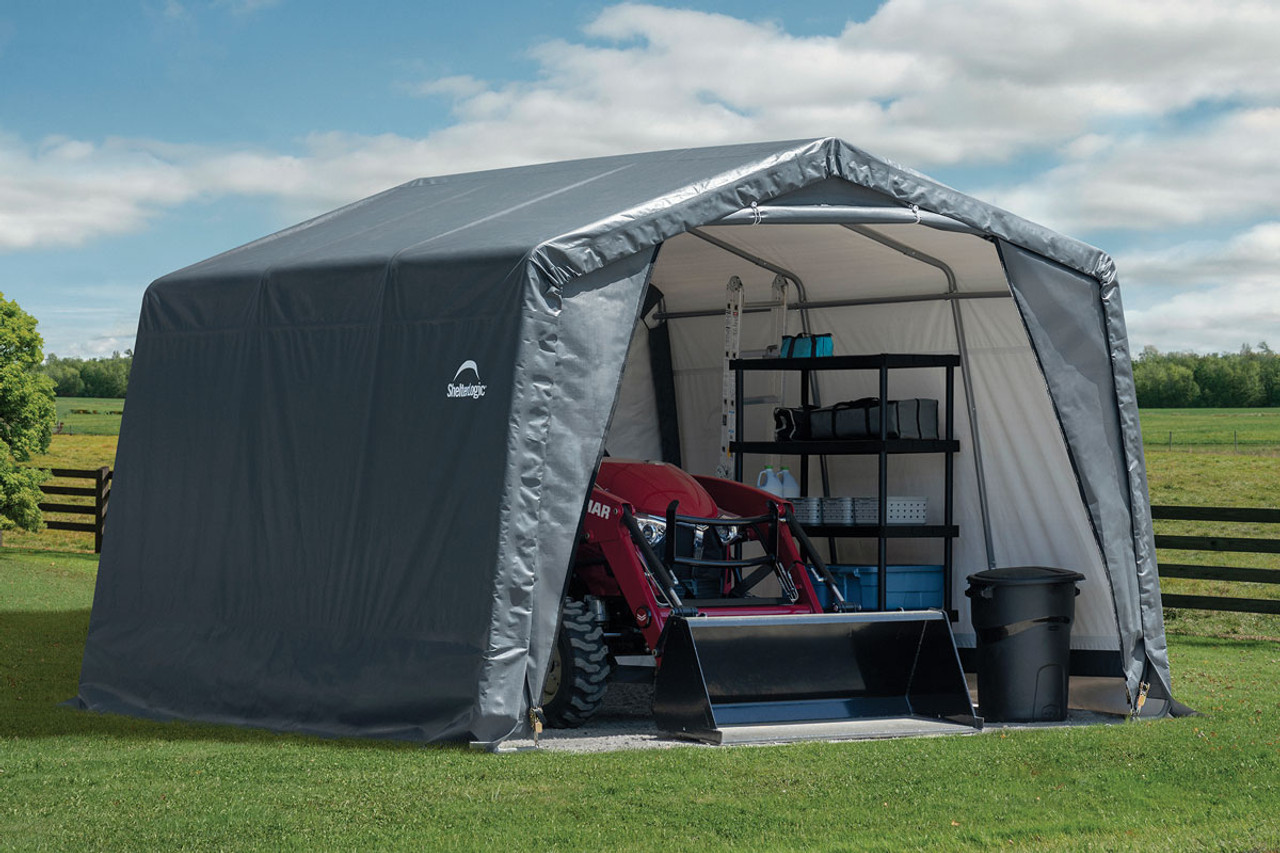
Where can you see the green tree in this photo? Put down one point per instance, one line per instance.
(1165, 380)
(1163, 384)
(106, 377)
(1269, 368)
(1250, 377)
(65, 373)
(1228, 381)
(26, 416)
(97, 377)
(1180, 389)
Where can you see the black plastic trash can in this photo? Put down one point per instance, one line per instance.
(1022, 616)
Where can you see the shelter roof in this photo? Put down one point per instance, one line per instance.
(576, 216)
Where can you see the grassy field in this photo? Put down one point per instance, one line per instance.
(90, 415)
(75, 780)
(1248, 430)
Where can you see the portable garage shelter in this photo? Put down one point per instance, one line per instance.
(356, 452)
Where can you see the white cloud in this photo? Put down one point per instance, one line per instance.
(1196, 264)
(1094, 84)
(1151, 116)
(67, 191)
(1227, 170)
(1207, 297)
(923, 82)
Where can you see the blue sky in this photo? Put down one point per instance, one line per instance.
(140, 136)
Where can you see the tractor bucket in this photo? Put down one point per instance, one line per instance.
(760, 679)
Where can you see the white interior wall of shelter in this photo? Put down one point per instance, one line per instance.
(1034, 512)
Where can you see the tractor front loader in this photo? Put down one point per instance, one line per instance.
(706, 587)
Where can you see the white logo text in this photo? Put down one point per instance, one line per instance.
(473, 390)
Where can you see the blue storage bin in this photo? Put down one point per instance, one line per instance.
(910, 587)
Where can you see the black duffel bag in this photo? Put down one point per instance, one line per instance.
(793, 424)
(914, 418)
(853, 419)
(917, 418)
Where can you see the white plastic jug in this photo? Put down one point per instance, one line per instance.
(790, 485)
(769, 481)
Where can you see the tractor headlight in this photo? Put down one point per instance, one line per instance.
(728, 534)
(652, 528)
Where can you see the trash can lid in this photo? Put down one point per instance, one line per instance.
(1024, 575)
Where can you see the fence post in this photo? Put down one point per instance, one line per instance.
(101, 494)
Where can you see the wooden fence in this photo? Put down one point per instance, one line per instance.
(1218, 544)
(100, 491)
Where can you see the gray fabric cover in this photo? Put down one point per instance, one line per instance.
(308, 533)
(1077, 329)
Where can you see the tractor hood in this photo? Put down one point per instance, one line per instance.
(651, 486)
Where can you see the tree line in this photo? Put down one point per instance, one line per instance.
(1183, 380)
(92, 377)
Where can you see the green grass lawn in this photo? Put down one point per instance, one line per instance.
(90, 415)
(75, 780)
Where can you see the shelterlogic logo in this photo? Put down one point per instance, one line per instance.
(474, 390)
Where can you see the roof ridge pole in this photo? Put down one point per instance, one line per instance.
(962, 344)
(841, 214)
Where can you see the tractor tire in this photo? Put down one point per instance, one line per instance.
(579, 670)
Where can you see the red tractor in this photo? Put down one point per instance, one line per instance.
(662, 549)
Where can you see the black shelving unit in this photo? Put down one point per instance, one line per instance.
(883, 447)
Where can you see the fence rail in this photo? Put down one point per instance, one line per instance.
(1219, 544)
(100, 491)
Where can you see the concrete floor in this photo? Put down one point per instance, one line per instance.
(625, 721)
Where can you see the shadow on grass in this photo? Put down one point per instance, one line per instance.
(40, 655)
(1216, 644)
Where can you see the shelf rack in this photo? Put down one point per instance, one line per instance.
(883, 447)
